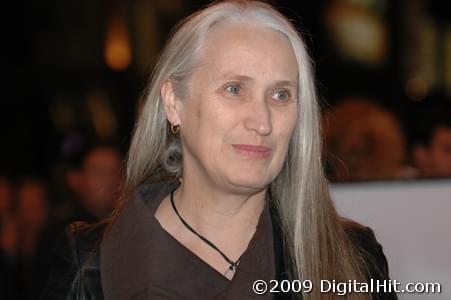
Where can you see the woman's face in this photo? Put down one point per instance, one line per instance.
(241, 108)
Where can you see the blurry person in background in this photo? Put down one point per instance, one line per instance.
(6, 195)
(431, 151)
(32, 213)
(35, 239)
(364, 142)
(8, 228)
(8, 258)
(8, 241)
(95, 179)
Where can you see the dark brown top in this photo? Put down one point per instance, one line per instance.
(170, 270)
(130, 266)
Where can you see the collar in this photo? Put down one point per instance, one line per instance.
(125, 249)
(124, 252)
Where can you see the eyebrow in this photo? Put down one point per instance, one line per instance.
(246, 78)
(286, 83)
(234, 76)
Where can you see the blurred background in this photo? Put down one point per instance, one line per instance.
(75, 70)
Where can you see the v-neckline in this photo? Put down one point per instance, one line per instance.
(136, 260)
(192, 255)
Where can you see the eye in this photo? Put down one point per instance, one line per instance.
(281, 95)
(234, 89)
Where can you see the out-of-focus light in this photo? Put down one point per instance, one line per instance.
(118, 54)
(146, 32)
(375, 5)
(357, 32)
(102, 116)
(62, 113)
(416, 88)
(169, 6)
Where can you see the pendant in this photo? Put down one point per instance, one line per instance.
(229, 269)
(232, 268)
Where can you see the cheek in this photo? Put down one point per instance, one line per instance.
(192, 120)
(217, 123)
(287, 124)
(203, 125)
(286, 128)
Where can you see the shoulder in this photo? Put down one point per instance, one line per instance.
(82, 241)
(362, 235)
(85, 238)
(368, 248)
(76, 262)
(371, 254)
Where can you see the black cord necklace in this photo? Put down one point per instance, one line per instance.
(233, 265)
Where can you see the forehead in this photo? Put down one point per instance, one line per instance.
(249, 50)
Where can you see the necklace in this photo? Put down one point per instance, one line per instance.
(232, 266)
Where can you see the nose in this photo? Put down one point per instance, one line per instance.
(258, 118)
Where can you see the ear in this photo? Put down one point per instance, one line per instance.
(171, 103)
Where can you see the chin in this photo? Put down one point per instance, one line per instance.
(250, 182)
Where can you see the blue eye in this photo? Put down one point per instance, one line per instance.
(234, 89)
(281, 95)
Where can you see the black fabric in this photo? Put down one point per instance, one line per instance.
(77, 264)
(181, 274)
(281, 259)
(371, 251)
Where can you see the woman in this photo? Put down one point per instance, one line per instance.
(224, 177)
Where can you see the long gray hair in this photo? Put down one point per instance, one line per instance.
(316, 244)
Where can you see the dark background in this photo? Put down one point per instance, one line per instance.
(54, 54)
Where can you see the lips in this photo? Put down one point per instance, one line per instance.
(252, 151)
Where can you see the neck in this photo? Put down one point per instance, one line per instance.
(214, 211)
(227, 220)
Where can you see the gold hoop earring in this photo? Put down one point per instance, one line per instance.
(175, 129)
